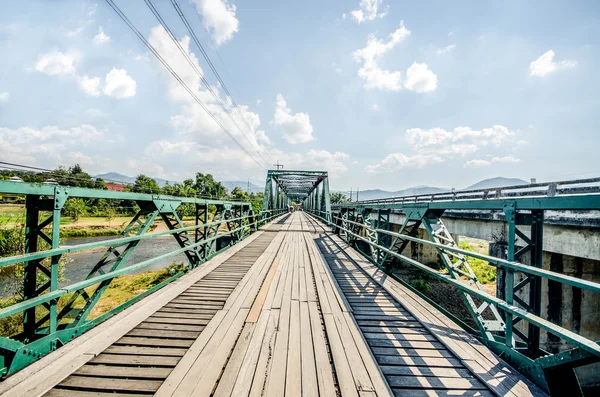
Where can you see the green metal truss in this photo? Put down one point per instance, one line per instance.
(284, 187)
(45, 327)
(368, 223)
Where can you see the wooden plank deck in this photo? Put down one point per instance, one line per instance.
(290, 311)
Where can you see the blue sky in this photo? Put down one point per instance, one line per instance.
(382, 94)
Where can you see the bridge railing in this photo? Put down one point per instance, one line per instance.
(509, 324)
(546, 189)
(49, 315)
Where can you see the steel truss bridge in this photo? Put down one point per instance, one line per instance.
(288, 302)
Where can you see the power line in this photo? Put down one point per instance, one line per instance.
(198, 72)
(177, 77)
(212, 67)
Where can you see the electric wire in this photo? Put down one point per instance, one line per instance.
(211, 65)
(177, 77)
(199, 73)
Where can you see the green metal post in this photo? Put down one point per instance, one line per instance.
(32, 215)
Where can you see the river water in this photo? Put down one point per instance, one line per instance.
(79, 264)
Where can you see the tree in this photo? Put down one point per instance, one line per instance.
(239, 194)
(75, 208)
(206, 185)
(339, 198)
(145, 184)
(110, 212)
(100, 184)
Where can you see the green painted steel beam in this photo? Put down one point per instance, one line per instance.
(41, 189)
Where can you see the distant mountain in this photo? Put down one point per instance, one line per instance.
(115, 177)
(230, 185)
(496, 182)
(373, 194)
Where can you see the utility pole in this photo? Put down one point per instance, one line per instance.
(350, 194)
(248, 191)
(278, 165)
(357, 190)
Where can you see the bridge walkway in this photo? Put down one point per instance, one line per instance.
(291, 310)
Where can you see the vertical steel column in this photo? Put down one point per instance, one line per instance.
(32, 216)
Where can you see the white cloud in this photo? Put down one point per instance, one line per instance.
(375, 107)
(192, 123)
(4, 96)
(435, 145)
(420, 79)
(336, 68)
(295, 128)
(45, 146)
(545, 65)
(218, 17)
(89, 85)
(506, 159)
(258, 101)
(446, 49)
(119, 84)
(371, 72)
(80, 158)
(56, 63)
(368, 11)
(476, 163)
(396, 161)
(484, 163)
(101, 38)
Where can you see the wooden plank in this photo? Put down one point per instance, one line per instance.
(246, 371)
(94, 383)
(81, 393)
(262, 294)
(463, 345)
(323, 367)
(310, 385)
(146, 351)
(264, 363)
(170, 327)
(176, 376)
(125, 359)
(163, 334)
(293, 378)
(139, 341)
(427, 371)
(230, 374)
(124, 372)
(42, 375)
(436, 383)
(340, 360)
(276, 379)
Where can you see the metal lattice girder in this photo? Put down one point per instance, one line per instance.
(283, 187)
(44, 327)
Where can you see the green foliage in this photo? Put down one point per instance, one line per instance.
(75, 208)
(339, 198)
(421, 285)
(145, 184)
(239, 194)
(485, 273)
(207, 185)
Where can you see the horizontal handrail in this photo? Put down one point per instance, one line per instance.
(107, 243)
(567, 335)
(535, 271)
(552, 189)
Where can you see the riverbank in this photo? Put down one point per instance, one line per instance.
(121, 290)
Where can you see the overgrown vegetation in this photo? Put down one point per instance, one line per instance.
(485, 273)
